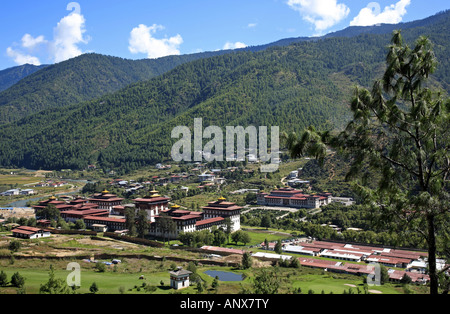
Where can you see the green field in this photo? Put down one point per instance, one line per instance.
(119, 281)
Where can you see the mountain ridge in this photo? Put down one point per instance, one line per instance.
(47, 87)
(11, 76)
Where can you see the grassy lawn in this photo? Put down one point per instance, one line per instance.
(258, 235)
(125, 278)
(329, 284)
(108, 282)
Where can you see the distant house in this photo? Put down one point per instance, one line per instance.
(11, 192)
(99, 227)
(26, 232)
(27, 192)
(220, 180)
(293, 174)
(179, 279)
(206, 177)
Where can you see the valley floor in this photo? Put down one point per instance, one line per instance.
(35, 257)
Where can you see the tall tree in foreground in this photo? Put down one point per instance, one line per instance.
(401, 131)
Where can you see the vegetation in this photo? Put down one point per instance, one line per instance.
(76, 80)
(400, 129)
(11, 76)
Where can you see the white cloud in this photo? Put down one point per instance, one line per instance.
(236, 45)
(67, 34)
(21, 58)
(142, 41)
(372, 14)
(252, 25)
(30, 42)
(323, 14)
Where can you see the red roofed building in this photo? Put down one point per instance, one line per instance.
(289, 197)
(209, 223)
(213, 215)
(26, 232)
(112, 224)
(153, 205)
(105, 200)
(417, 278)
(61, 205)
(74, 215)
(224, 209)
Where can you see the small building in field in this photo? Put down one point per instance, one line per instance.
(179, 279)
(99, 227)
(26, 232)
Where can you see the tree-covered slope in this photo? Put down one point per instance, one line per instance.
(83, 78)
(11, 76)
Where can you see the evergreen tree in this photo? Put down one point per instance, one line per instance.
(93, 288)
(266, 282)
(53, 285)
(247, 260)
(142, 223)
(17, 280)
(3, 279)
(401, 130)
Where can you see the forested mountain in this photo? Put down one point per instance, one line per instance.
(11, 76)
(308, 83)
(80, 79)
(92, 75)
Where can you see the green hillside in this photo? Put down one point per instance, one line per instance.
(80, 79)
(11, 76)
(308, 83)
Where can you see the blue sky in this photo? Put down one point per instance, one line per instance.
(46, 32)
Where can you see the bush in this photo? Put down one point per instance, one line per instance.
(14, 246)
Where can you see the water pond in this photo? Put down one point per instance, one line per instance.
(224, 275)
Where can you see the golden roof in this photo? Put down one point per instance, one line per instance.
(105, 191)
(53, 197)
(175, 206)
(222, 199)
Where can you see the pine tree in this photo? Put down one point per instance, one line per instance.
(401, 131)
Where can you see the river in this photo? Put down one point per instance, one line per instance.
(23, 203)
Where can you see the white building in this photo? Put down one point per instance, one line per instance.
(27, 192)
(271, 256)
(11, 192)
(179, 279)
(289, 197)
(26, 232)
(206, 177)
(293, 174)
